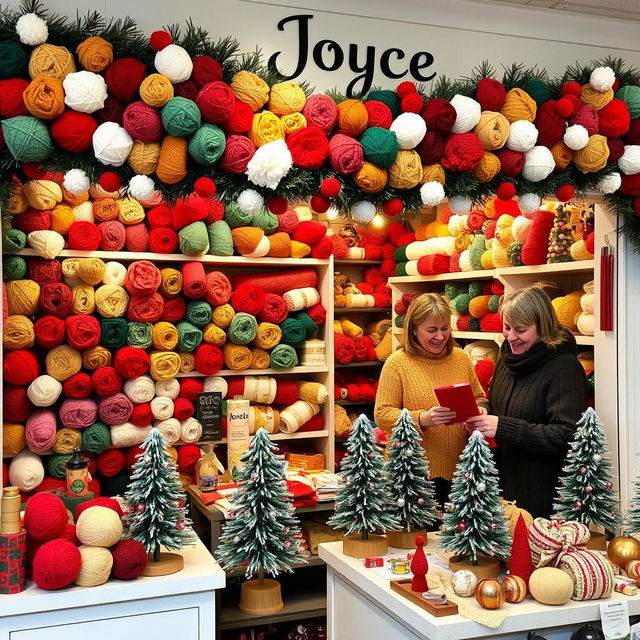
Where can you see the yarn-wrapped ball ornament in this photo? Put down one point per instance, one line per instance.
(84, 91)
(111, 144)
(174, 62)
(56, 564)
(27, 138)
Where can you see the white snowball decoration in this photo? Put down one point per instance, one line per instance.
(46, 243)
(44, 391)
(141, 187)
(576, 137)
(468, 113)
(629, 163)
(460, 204)
(32, 29)
(76, 181)
(409, 129)
(250, 201)
(174, 63)
(432, 193)
(529, 202)
(610, 183)
(523, 136)
(270, 163)
(84, 91)
(111, 144)
(602, 78)
(464, 583)
(363, 211)
(538, 164)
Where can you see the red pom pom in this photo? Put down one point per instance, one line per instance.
(319, 203)
(330, 187)
(110, 181)
(412, 103)
(506, 191)
(159, 40)
(565, 193)
(405, 88)
(45, 517)
(571, 88)
(564, 107)
(205, 187)
(277, 205)
(56, 564)
(34, 171)
(129, 559)
(393, 207)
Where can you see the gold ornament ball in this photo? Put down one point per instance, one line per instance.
(622, 550)
(515, 589)
(490, 594)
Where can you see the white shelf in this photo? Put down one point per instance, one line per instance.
(483, 274)
(356, 262)
(347, 310)
(301, 435)
(585, 340)
(579, 266)
(255, 372)
(477, 335)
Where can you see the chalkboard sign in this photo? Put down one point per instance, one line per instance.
(209, 415)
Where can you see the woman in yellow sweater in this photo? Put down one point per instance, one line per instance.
(428, 358)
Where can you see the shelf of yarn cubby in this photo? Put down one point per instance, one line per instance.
(296, 435)
(346, 263)
(349, 403)
(498, 337)
(366, 363)
(343, 310)
(255, 372)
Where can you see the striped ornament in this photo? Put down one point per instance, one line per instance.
(515, 589)
(592, 574)
(550, 539)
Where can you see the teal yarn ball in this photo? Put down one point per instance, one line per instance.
(113, 332)
(380, 146)
(56, 466)
(199, 313)
(220, 239)
(27, 138)
(96, 438)
(266, 221)
(13, 60)
(631, 96)
(283, 356)
(189, 336)
(140, 334)
(293, 332)
(538, 90)
(390, 98)
(207, 144)
(13, 240)
(14, 267)
(194, 239)
(243, 328)
(310, 327)
(180, 117)
(235, 217)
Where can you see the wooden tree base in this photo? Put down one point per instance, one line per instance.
(486, 568)
(353, 545)
(260, 599)
(405, 539)
(169, 563)
(597, 541)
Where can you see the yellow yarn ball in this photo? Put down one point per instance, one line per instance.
(99, 527)
(213, 334)
(292, 122)
(406, 171)
(96, 358)
(111, 300)
(223, 315)
(84, 299)
(13, 439)
(51, 60)
(42, 194)
(165, 365)
(61, 218)
(562, 155)
(488, 168)
(144, 157)
(170, 283)
(130, 211)
(433, 173)
(67, 440)
(70, 267)
(96, 566)
(165, 336)
(62, 362)
(250, 89)
(492, 130)
(595, 99)
(519, 105)
(18, 333)
(266, 127)
(286, 98)
(594, 156)
(187, 362)
(549, 585)
(566, 308)
(22, 297)
(579, 251)
(299, 249)
(371, 178)
(156, 90)
(18, 202)
(91, 270)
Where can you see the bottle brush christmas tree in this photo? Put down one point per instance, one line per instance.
(363, 504)
(156, 514)
(561, 237)
(473, 520)
(586, 492)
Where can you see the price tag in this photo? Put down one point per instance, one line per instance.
(209, 415)
(615, 619)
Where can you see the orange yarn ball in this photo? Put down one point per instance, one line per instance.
(51, 60)
(371, 178)
(105, 209)
(250, 89)
(406, 171)
(156, 90)
(246, 239)
(488, 168)
(172, 163)
(433, 173)
(594, 156)
(519, 105)
(595, 99)
(44, 97)
(562, 155)
(280, 245)
(353, 117)
(95, 54)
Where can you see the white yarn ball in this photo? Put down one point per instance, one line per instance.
(84, 91)
(602, 78)
(76, 181)
(523, 136)
(83, 212)
(216, 383)
(44, 391)
(190, 430)
(269, 164)
(128, 435)
(409, 129)
(46, 243)
(610, 183)
(140, 389)
(114, 273)
(432, 193)
(111, 144)
(169, 428)
(162, 407)
(32, 29)
(411, 268)
(529, 202)
(141, 187)
(538, 164)
(168, 388)
(460, 204)
(174, 63)
(468, 113)
(250, 201)
(264, 246)
(576, 137)
(465, 261)
(629, 163)
(363, 211)
(26, 471)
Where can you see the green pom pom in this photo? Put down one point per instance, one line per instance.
(235, 217)
(400, 254)
(514, 254)
(401, 268)
(538, 90)
(494, 303)
(477, 248)
(14, 267)
(399, 321)
(140, 334)
(113, 332)
(390, 98)
(96, 438)
(27, 138)
(452, 289)
(380, 146)
(13, 60)
(475, 289)
(220, 239)
(180, 117)
(199, 313)
(207, 144)
(460, 304)
(265, 220)
(631, 96)
(13, 240)
(189, 336)
(194, 239)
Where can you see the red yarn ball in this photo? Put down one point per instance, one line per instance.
(129, 559)
(84, 236)
(462, 152)
(45, 517)
(50, 331)
(345, 153)
(237, 153)
(123, 77)
(205, 69)
(142, 122)
(564, 107)
(160, 216)
(330, 187)
(142, 415)
(614, 119)
(630, 185)
(248, 298)
(205, 187)
(323, 249)
(20, 367)
(216, 102)
(45, 271)
(439, 114)
(16, 404)
(506, 191)
(310, 232)
(319, 203)
(188, 456)
(110, 181)
(551, 125)
(491, 94)
(32, 220)
(104, 501)
(106, 381)
(511, 162)
(137, 237)
(73, 131)
(431, 147)
(111, 462)
(632, 136)
(183, 409)
(173, 310)
(393, 207)
(240, 119)
(406, 88)
(191, 387)
(588, 118)
(83, 331)
(309, 147)
(188, 90)
(208, 359)
(78, 386)
(111, 112)
(159, 40)
(56, 564)
(11, 101)
(113, 235)
(163, 240)
(131, 362)
(215, 211)
(571, 88)
(565, 192)
(379, 114)
(412, 103)
(277, 205)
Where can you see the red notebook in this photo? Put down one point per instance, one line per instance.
(458, 398)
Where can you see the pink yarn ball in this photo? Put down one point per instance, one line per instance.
(142, 122)
(345, 153)
(40, 431)
(137, 237)
(321, 111)
(78, 414)
(113, 235)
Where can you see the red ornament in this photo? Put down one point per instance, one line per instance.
(609, 485)
(330, 187)
(205, 187)
(405, 88)
(420, 501)
(277, 205)
(393, 207)
(565, 193)
(413, 103)
(506, 191)
(319, 203)
(588, 489)
(110, 181)
(461, 526)
(578, 504)
(571, 88)
(159, 40)
(205, 69)
(493, 526)
(467, 475)
(583, 470)
(180, 525)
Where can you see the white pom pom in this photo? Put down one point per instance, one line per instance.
(602, 78)
(409, 129)
(523, 136)
(141, 187)
(538, 164)
(529, 202)
(629, 163)
(270, 163)
(250, 201)
(174, 63)
(432, 193)
(468, 113)
(76, 181)
(576, 137)
(84, 91)
(363, 211)
(111, 144)
(460, 204)
(610, 183)
(32, 29)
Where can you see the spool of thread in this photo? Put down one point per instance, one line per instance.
(10, 514)
(295, 415)
(313, 353)
(13, 552)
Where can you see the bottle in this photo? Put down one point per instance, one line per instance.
(207, 471)
(237, 435)
(77, 472)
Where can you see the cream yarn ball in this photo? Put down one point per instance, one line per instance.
(610, 183)
(83, 212)
(128, 435)
(190, 430)
(46, 243)
(141, 389)
(460, 205)
(169, 428)
(162, 407)
(26, 471)
(216, 383)
(409, 129)
(174, 63)
(549, 585)
(529, 202)
(520, 228)
(114, 273)
(269, 164)
(363, 211)
(538, 164)
(168, 388)
(76, 181)
(602, 78)
(96, 566)
(629, 163)
(468, 112)
(84, 91)
(99, 527)
(576, 137)
(250, 201)
(44, 391)
(264, 246)
(32, 29)
(523, 136)
(411, 267)
(432, 193)
(111, 144)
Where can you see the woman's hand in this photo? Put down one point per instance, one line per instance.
(483, 410)
(436, 416)
(487, 425)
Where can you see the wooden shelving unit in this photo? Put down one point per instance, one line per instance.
(341, 311)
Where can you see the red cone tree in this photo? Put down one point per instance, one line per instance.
(520, 563)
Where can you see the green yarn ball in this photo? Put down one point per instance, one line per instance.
(180, 117)
(199, 313)
(13, 240)
(474, 324)
(194, 239)
(400, 254)
(14, 267)
(283, 356)
(220, 239)
(477, 248)
(494, 303)
(189, 336)
(390, 98)
(475, 289)
(236, 217)
(538, 90)
(140, 334)
(207, 144)
(27, 138)
(401, 268)
(266, 221)
(13, 60)
(514, 254)
(399, 321)
(56, 466)
(113, 332)
(243, 328)
(380, 146)
(310, 327)
(453, 289)
(631, 96)
(293, 332)
(460, 304)
(96, 438)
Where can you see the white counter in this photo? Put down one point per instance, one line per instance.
(360, 604)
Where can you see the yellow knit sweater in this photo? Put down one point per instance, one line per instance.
(407, 382)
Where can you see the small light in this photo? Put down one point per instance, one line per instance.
(377, 221)
(332, 213)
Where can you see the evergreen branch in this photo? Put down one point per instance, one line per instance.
(127, 40)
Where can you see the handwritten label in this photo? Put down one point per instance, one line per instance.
(209, 415)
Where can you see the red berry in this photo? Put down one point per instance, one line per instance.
(461, 526)
(330, 187)
(159, 40)
(110, 181)
(616, 84)
(572, 88)
(277, 205)
(319, 203)
(393, 207)
(412, 103)
(564, 108)
(565, 193)
(205, 187)
(506, 191)
(405, 88)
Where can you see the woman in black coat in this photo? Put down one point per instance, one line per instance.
(538, 393)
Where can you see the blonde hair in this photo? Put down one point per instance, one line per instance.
(426, 305)
(532, 307)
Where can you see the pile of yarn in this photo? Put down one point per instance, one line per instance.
(355, 343)
(372, 292)
(475, 305)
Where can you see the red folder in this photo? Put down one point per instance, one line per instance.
(458, 398)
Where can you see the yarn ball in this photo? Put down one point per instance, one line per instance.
(610, 183)
(309, 147)
(538, 90)
(96, 564)
(84, 91)
(129, 559)
(467, 113)
(462, 152)
(387, 97)
(51, 60)
(13, 59)
(123, 78)
(111, 144)
(20, 367)
(95, 54)
(629, 162)
(345, 154)
(352, 117)
(174, 62)
(142, 122)
(207, 144)
(518, 105)
(99, 527)
(84, 236)
(193, 239)
(576, 137)
(406, 171)
(409, 129)
(321, 111)
(593, 156)
(44, 97)
(27, 138)
(180, 117)
(25, 470)
(492, 131)
(13, 439)
(380, 146)
(216, 102)
(286, 98)
(538, 164)
(440, 115)
(250, 89)
(16, 403)
(45, 517)
(56, 564)
(551, 586)
(523, 136)
(630, 95)
(491, 94)
(614, 119)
